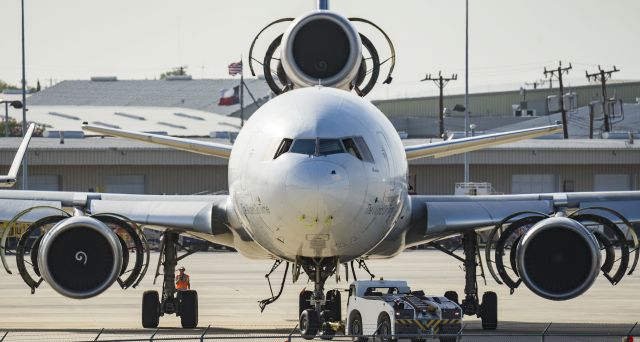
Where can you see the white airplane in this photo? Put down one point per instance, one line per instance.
(318, 179)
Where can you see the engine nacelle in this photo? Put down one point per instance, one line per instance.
(558, 258)
(323, 48)
(80, 257)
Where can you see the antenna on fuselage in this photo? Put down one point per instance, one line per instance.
(322, 5)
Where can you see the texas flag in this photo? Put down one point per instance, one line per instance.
(229, 97)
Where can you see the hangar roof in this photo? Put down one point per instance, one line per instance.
(200, 94)
(172, 120)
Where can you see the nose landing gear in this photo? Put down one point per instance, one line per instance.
(319, 313)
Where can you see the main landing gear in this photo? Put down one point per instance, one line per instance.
(318, 311)
(487, 310)
(181, 303)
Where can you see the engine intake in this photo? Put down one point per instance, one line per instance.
(558, 258)
(80, 257)
(321, 47)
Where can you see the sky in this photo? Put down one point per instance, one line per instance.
(511, 41)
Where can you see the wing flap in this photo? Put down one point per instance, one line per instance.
(190, 145)
(457, 146)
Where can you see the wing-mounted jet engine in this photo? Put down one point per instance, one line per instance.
(80, 256)
(322, 48)
(560, 257)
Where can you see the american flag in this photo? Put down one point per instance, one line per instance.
(235, 68)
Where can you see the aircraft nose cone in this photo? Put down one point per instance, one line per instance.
(317, 187)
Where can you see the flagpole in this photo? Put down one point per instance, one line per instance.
(241, 93)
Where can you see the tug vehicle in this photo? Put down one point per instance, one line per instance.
(390, 309)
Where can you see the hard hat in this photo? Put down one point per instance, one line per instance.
(181, 268)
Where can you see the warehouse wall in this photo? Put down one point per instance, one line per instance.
(441, 179)
(158, 179)
(499, 103)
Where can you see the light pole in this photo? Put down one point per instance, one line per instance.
(14, 104)
(24, 106)
(466, 89)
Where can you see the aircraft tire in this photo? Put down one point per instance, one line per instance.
(334, 304)
(452, 296)
(150, 309)
(489, 311)
(326, 332)
(303, 301)
(189, 309)
(309, 323)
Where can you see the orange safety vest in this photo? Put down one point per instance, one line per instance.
(182, 282)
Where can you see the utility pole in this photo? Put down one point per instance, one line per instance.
(441, 82)
(603, 76)
(557, 73)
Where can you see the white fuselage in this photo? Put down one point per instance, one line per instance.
(326, 196)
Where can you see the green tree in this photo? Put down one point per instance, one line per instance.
(4, 85)
(15, 128)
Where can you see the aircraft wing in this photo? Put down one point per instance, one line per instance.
(189, 213)
(189, 145)
(436, 216)
(456, 146)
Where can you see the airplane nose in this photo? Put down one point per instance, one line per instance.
(317, 187)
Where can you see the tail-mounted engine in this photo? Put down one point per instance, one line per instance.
(81, 256)
(322, 48)
(557, 257)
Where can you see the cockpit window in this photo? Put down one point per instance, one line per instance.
(324, 147)
(284, 147)
(304, 146)
(357, 147)
(329, 146)
(364, 150)
(352, 149)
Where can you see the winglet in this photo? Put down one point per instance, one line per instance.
(9, 180)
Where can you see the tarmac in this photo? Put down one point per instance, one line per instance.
(229, 287)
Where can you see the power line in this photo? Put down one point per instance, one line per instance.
(603, 76)
(535, 84)
(557, 73)
(441, 82)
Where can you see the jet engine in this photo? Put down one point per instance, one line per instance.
(321, 48)
(80, 257)
(558, 258)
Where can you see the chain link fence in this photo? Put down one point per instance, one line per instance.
(508, 331)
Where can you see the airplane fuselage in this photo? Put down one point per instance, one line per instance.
(318, 172)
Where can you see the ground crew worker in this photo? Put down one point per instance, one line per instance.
(182, 281)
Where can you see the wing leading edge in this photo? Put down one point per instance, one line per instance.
(451, 147)
(190, 145)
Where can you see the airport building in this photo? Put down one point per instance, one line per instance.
(121, 166)
(187, 107)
